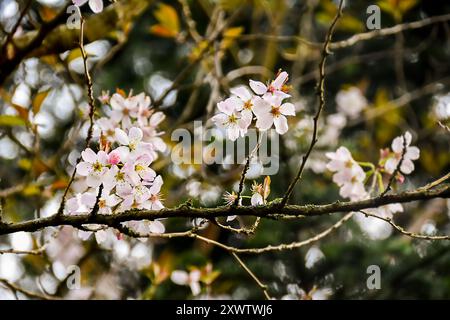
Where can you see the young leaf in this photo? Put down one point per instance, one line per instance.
(169, 24)
(38, 100)
(7, 120)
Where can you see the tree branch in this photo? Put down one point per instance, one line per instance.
(271, 210)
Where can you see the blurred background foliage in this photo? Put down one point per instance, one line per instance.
(401, 77)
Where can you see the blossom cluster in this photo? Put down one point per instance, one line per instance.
(351, 178)
(118, 177)
(265, 103)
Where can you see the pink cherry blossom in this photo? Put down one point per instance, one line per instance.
(138, 168)
(273, 89)
(145, 227)
(411, 153)
(116, 178)
(154, 202)
(85, 202)
(133, 197)
(114, 157)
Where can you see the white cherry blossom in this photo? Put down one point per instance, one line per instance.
(275, 88)
(351, 102)
(123, 110)
(191, 279)
(411, 153)
(229, 119)
(94, 167)
(272, 111)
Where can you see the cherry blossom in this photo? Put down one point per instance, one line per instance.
(94, 166)
(191, 279)
(351, 102)
(138, 168)
(107, 128)
(244, 102)
(273, 111)
(229, 119)
(104, 97)
(275, 88)
(116, 178)
(349, 176)
(133, 197)
(411, 153)
(260, 192)
(144, 227)
(85, 202)
(132, 140)
(123, 110)
(154, 202)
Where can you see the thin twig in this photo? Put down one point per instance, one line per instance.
(435, 182)
(91, 102)
(389, 31)
(321, 95)
(10, 35)
(397, 169)
(191, 24)
(247, 231)
(15, 288)
(245, 169)
(35, 252)
(250, 272)
(403, 231)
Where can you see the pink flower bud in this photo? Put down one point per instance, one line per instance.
(114, 158)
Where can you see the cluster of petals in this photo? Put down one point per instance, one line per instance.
(120, 177)
(265, 103)
(130, 112)
(348, 174)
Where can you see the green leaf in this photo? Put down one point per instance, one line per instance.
(11, 121)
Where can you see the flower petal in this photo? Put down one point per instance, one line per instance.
(179, 277)
(258, 87)
(241, 92)
(288, 109)
(96, 5)
(83, 168)
(280, 80)
(122, 137)
(281, 125)
(89, 156)
(264, 122)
